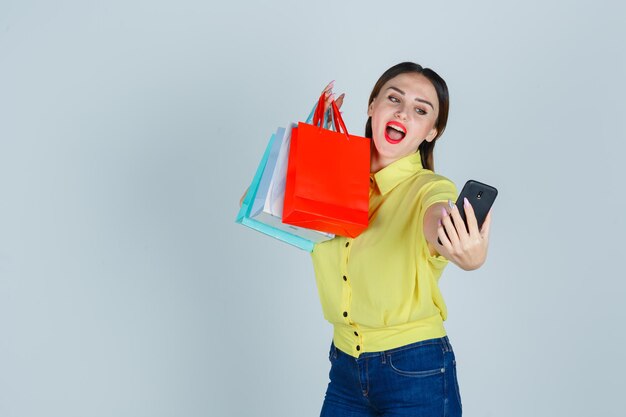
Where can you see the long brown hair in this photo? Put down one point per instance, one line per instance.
(426, 148)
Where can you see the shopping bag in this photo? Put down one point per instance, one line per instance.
(243, 217)
(272, 225)
(266, 182)
(327, 186)
(267, 206)
(274, 200)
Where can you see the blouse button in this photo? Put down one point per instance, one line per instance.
(345, 314)
(345, 278)
(356, 334)
(347, 244)
(358, 347)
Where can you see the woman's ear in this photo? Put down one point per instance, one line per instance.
(431, 135)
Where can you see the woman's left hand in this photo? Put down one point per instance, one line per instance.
(466, 249)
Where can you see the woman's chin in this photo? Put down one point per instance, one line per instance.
(388, 149)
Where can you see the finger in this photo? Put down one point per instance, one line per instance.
(339, 100)
(329, 87)
(484, 231)
(328, 91)
(459, 224)
(243, 196)
(443, 238)
(329, 100)
(450, 229)
(470, 216)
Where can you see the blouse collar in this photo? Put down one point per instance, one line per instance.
(396, 172)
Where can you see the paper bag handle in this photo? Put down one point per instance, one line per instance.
(340, 126)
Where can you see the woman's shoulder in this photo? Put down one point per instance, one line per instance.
(429, 186)
(426, 176)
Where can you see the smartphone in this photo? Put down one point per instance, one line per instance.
(481, 197)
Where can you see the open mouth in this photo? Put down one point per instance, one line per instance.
(395, 132)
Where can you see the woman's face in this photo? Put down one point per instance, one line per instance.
(403, 115)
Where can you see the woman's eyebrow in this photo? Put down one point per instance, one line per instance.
(417, 99)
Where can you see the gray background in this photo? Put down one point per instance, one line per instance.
(129, 130)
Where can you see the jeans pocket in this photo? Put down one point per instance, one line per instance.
(418, 362)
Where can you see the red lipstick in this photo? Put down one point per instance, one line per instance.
(399, 129)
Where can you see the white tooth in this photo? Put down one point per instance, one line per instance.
(397, 128)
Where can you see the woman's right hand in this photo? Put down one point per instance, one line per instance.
(328, 90)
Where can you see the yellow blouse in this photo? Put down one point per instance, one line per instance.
(380, 290)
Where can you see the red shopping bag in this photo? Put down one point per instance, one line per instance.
(327, 187)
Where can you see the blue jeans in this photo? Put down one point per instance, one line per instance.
(418, 379)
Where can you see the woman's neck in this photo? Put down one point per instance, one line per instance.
(378, 162)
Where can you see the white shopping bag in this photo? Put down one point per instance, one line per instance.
(268, 173)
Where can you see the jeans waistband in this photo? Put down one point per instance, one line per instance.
(443, 341)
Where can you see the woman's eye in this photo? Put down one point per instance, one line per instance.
(420, 111)
(393, 99)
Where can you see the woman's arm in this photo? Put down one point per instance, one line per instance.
(466, 250)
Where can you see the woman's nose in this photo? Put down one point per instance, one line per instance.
(401, 115)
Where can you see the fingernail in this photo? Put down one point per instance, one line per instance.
(342, 94)
(444, 213)
(332, 96)
(466, 202)
(330, 85)
(439, 222)
(450, 204)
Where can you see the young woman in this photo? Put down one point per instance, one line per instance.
(390, 355)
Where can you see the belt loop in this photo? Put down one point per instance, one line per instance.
(383, 355)
(446, 344)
